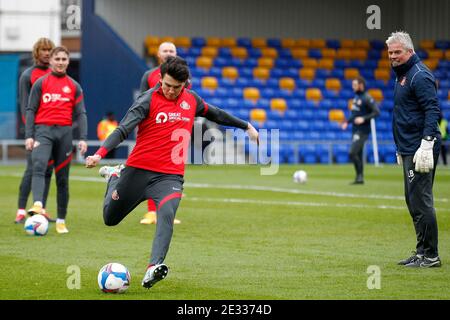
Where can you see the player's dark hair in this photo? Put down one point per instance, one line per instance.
(175, 67)
(361, 80)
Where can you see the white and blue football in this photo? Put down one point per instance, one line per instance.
(36, 225)
(114, 278)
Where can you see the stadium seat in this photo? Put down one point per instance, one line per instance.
(426, 44)
(303, 43)
(333, 84)
(317, 44)
(382, 74)
(261, 73)
(351, 73)
(328, 53)
(286, 83)
(239, 52)
(198, 42)
(435, 54)
(336, 115)
(269, 53)
(359, 54)
(326, 64)
(299, 53)
(152, 50)
(230, 73)
(167, 39)
(310, 63)
(384, 64)
(182, 42)
(288, 43)
(376, 94)
(362, 44)
(229, 42)
(447, 54)
(266, 62)
(431, 63)
(251, 94)
(151, 41)
(347, 43)
(313, 94)
(259, 42)
(258, 115)
(204, 62)
(213, 42)
(209, 83)
(344, 54)
(307, 73)
(278, 104)
(210, 52)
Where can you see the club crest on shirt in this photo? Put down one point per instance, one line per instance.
(184, 105)
(66, 89)
(403, 81)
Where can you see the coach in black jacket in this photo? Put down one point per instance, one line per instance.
(417, 137)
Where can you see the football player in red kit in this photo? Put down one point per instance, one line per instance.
(164, 116)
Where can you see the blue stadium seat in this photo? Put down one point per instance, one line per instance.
(254, 53)
(224, 52)
(333, 44)
(442, 44)
(323, 154)
(377, 44)
(274, 43)
(307, 153)
(340, 153)
(244, 42)
(285, 53)
(315, 53)
(322, 73)
(194, 51)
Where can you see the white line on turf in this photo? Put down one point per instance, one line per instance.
(300, 203)
(262, 188)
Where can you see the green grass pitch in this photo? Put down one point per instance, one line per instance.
(243, 236)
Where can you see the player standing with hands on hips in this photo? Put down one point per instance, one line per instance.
(55, 100)
(155, 167)
(417, 137)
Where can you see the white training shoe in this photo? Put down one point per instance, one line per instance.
(154, 274)
(107, 171)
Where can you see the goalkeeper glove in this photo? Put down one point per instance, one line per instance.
(423, 158)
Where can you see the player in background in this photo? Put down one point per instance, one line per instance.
(105, 127)
(164, 116)
(41, 57)
(150, 79)
(363, 109)
(55, 100)
(417, 137)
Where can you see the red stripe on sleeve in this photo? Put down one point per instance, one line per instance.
(102, 152)
(79, 99)
(206, 108)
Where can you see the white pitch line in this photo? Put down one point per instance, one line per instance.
(262, 188)
(300, 203)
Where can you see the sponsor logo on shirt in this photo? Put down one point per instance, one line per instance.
(161, 117)
(53, 97)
